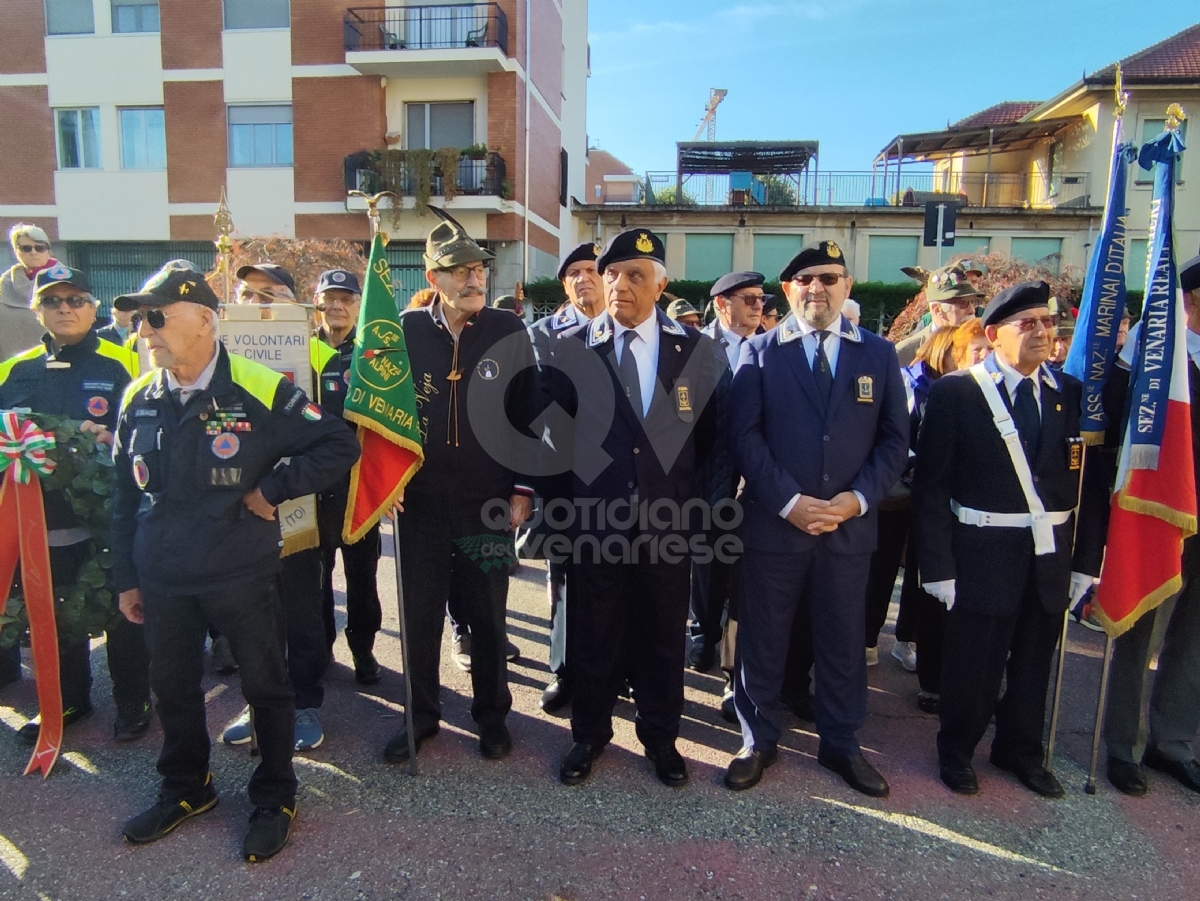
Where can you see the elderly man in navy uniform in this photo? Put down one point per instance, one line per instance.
(75, 374)
(819, 409)
(996, 481)
(585, 300)
(643, 423)
(738, 302)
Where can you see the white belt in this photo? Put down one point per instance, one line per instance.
(970, 517)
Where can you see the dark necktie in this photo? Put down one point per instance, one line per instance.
(1027, 418)
(628, 373)
(822, 371)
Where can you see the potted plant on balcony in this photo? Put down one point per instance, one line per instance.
(475, 152)
(447, 166)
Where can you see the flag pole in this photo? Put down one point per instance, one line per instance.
(1090, 786)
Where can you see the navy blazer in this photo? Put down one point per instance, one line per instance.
(786, 443)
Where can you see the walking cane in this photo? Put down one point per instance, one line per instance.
(1090, 785)
(404, 655)
(1062, 640)
(253, 734)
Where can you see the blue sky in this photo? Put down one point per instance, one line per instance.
(851, 74)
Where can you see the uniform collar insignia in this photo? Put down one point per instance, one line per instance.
(669, 325)
(1049, 379)
(600, 330)
(850, 331)
(565, 318)
(788, 330)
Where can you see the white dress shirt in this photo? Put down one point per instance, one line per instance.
(1013, 379)
(833, 346)
(206, 374)
(733, 345)
(645, 352)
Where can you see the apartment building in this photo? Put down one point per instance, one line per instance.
(127, 118)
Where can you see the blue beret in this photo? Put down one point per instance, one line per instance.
(632, 244)
(821, 253)
(727, 284)
(1189, 274)
(1016, 299)
(588, 250)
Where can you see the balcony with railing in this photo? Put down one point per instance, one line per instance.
(446, 39)
(402, 172)
(1007, 190)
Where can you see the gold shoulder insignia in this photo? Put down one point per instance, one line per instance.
(643, 243)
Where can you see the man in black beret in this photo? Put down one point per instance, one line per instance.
(1143, 725)
(771, 312)
(585, 300)
(1000, 458)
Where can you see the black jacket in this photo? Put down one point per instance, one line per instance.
(180, 525)
(962, 457)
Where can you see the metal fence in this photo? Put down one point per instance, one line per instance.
(478, 177)
(114, 268)
(865, 189)
(442, 27)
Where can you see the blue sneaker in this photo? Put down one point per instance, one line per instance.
(309, 733)
(238, 731)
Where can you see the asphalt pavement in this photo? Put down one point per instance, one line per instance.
(466, 828)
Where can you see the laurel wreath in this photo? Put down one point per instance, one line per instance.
(84, 473)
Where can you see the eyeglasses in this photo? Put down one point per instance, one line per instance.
(75, 302)
(463, 273)
(828, 279)
(156, 318)
(322, 305)
(748, 299)
(1029, 323)
(30, 248)
(267, 296)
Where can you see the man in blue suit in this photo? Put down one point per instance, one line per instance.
(820, 425)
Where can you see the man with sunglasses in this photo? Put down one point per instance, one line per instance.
(19, 325)
(952, 297)
(473, 370)
(998, 478)
(196, 539)
(74, 374)
(821, 419)
(337, 300)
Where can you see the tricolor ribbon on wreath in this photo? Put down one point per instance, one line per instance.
(23, 455)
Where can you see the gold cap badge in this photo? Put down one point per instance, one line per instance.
(644, 244)
(833, 250)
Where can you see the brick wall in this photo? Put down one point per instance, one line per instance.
(543, 240)
(599, 164)
(545, 165)
(333, 117)
(48, 224)
(196, 147)
(514, 10)
(317, 31)
(326, 226)
(506, 126)
(191, 33)
(547, 51)
(192, 228)
(26, 145)
(22, 49)
(511, 227)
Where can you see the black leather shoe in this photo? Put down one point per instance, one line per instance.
(1187, 772)
(669, 766)
(702, 656)
(859, 774)
(960, 778)
(746, 768)
(367, 670)
(29, 732)
(557, 695)
(1037, 779)
(132, 721)
(927, 701)
(801, 707)
(577, 765)
(495, 743)
(396, 750)
(1127, 778)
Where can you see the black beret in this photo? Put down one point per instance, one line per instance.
(169, 285)
(820, 254)
(633, 244)
(588, 250)
(1016, 299)
(735, 280)
(1189, 274)
(772, 302)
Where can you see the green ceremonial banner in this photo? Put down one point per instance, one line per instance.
(380, 400)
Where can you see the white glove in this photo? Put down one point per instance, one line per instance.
(1080, 583)
(943, 591)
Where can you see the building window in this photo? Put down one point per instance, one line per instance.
(435, 125)
(887, 254)
(132, 16)
(143, 139)
(1044, 252)
(69, 17)
(1151, 129)
(78, 138)
(708, 257)
(257, 14)
(260, 136)
(562, 178)
(773, 252)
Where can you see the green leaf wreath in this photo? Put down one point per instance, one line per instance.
(84, 473)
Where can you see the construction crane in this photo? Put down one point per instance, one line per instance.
(709, 122)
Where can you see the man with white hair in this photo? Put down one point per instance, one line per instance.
(19, 325)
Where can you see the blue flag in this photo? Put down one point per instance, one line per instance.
(1103, 302)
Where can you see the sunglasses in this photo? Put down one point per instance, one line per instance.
(828, 279)
(75, 302)
(156, 318)
(30, 248)
(749, 300)
(1028, 324)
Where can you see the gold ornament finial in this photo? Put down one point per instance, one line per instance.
(373, 210)
(223, 223)
(1175, 117)
(1122, 96)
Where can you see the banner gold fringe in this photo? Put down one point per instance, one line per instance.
(1117, 628)
(301, 541)
(1184, 521)
(365, 423)
(1091, 439)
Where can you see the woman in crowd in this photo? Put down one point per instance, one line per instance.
(19, 326)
